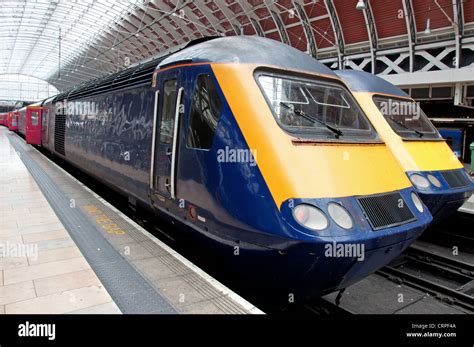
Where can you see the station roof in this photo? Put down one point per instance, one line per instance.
(98, 37)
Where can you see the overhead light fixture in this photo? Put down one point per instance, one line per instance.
(361, 5)
(428, 29)
(428, 23)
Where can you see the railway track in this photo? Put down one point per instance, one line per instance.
(455, 232)
(441, 264)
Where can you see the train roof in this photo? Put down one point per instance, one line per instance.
(247, 50)
(233, 49)
(132, 76)
(360, 81)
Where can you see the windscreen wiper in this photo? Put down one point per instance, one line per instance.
(335, 130)
(419, 133)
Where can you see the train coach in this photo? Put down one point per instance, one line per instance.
(29, 123)
(12, 121)
(255, 147)
(435, 171)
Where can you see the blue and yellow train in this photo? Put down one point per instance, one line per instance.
(435, 171)
(254, 146)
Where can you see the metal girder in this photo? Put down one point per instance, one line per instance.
(190, 17)
(257, 27)
(210, 17)
(230, 17)
(337, 31)
(411, 30)
(280, 26)
(274, 13)
(254, 20)
(305, 23)
(458, 28)
(372, 33)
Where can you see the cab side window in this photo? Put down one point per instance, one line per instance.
(205, 113)
(168, 111)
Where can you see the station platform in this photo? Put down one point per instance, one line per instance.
(63, 249)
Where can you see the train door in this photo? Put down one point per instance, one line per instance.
(166, 124)
(33, 126)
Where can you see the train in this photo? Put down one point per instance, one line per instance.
(29, 123)
(435, 171)
(11, 120)
(252, 146)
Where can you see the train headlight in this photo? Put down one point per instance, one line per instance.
(434, 181)
(417, 202)
(340, 215)
(310, 217)
(419, 181)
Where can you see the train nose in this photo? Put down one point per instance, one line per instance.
(372, 261)
(358, 217)
(443, 192)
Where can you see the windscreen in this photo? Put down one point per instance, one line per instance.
(315, 109)
(406, 118)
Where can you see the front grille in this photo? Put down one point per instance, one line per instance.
(386, 210)
(455, 178)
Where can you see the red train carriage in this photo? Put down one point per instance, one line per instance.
(12, 121)
(33, 124)
(29, 123)
(22, 121)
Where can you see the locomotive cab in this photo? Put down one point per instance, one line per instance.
(434, 170)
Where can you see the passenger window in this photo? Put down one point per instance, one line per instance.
(205, 113)
(34, 119)
(168, 111)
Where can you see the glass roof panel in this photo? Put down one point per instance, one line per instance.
(30, 32)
